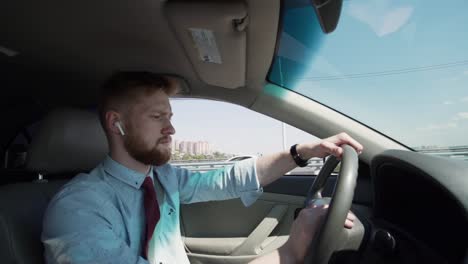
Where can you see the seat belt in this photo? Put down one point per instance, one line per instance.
(252, 244)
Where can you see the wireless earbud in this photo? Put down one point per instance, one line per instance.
(119, 126)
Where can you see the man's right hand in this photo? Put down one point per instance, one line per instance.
(303, 230)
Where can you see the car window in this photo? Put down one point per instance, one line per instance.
(15, 154)
(210, 134)
(403, 69)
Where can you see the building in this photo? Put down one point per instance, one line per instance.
(175, 146)
(199, 148)
(192, 147)
(183, 147)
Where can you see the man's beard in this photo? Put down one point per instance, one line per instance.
(140, 152)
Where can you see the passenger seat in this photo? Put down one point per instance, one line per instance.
(69, 141)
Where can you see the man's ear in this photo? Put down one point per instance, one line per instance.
(112, 118)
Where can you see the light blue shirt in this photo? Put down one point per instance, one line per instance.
(99, 217)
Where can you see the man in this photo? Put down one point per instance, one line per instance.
(126, 210)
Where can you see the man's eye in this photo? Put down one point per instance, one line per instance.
(155, 116)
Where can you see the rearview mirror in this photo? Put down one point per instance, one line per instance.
(328, 13)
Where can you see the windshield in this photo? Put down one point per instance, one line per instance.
(400, 67)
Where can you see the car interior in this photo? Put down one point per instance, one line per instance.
(54, 55)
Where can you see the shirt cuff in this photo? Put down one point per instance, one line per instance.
(251, 189)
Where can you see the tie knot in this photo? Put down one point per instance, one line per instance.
(148, 183)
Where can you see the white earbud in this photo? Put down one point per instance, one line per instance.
(119, 126)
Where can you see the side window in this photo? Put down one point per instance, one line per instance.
(210, 134)
(15, 154)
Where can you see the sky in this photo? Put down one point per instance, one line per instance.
(231, 128)
(400, 67)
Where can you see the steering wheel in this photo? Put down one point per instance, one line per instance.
(332, 235)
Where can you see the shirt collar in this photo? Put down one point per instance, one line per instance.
(124, 174)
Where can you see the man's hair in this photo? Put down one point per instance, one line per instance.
(124, 88)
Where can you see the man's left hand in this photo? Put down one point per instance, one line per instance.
(329, 146)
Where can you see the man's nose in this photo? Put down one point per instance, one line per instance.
(168, 130)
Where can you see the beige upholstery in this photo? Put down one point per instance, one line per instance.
(219, 37)
(91, 39)
(69, 140)
(234, 233)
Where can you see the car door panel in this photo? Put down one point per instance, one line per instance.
(229, 229)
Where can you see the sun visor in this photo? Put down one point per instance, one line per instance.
(214, 37)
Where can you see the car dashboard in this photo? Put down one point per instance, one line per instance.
(419, 210)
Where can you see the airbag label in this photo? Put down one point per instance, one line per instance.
(205, 43)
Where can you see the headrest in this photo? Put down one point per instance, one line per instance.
(68, 140)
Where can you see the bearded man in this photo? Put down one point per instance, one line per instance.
(126, 210)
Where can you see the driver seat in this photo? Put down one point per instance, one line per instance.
(69, 141)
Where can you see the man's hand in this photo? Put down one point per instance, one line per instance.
(271, 167)
(303, 230)
(328, 146)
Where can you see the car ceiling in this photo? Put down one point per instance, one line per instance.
(66, 49)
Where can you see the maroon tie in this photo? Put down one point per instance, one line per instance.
(151, 211)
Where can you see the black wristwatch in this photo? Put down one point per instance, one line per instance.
(296, 157)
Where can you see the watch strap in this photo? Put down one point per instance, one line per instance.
(296, 157)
